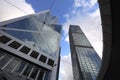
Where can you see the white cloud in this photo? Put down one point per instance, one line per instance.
(80, 3)
(84, 3)
(90, 23)
(77, 3)
(67, 38)
(8, 11)
(66, 15)
(66, 68)
(93, 2)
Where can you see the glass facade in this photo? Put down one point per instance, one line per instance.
(86, 63)
(32, 48)
(80, 39)
(33, 31)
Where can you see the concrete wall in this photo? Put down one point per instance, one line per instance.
(109, 68)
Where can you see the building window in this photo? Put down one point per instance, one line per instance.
(14, 45)
(2, 55)
(5, 60)
(25, 49)
(41, 75)
(34, 54)
(34, 73)
(11, 65)
(4, 39)
(50, 62)
(43, 58)
(27, 70)
(20, 67)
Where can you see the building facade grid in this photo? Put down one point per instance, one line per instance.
(85, 61)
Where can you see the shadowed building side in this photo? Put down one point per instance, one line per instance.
(109, 17)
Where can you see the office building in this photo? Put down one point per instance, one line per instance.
(30, 47)
(85, 61)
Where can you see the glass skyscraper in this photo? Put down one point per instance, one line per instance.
(85, 61)
(30, 47)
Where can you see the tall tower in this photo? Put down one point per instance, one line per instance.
(30, 47)
(85, 61)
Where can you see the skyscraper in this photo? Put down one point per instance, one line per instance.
(30, 47)
(85, 61)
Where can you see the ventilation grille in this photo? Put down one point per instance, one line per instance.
(25, 49)
(34, 54)
(4, 39)
(43, 58)
(14, 45)
(50, 62)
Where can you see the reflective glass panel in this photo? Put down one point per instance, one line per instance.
(2, 54)
(41, 74)
(24, 36)
(24, 24)
(80, 39)
(51, 37)
(27, 70)
(34, 73)
(20, 67)
(11, 65)
(5, 60)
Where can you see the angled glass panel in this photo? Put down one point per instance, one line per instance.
(28, 37)
(56, 27)
(24, 24)
(51, 37)
(45, 17)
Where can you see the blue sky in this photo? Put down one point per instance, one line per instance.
(59, 8)
(84, 13)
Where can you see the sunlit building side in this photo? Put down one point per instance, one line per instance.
(30, 47)
(85, 61)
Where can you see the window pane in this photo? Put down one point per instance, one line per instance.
(34, 73)
(5, 60)
(11, 65)
(80, 39)
(41, 74)
(27, 70)
(2, 54)
(20, 67)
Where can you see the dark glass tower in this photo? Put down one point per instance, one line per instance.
(85, 61)
(30, 47)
